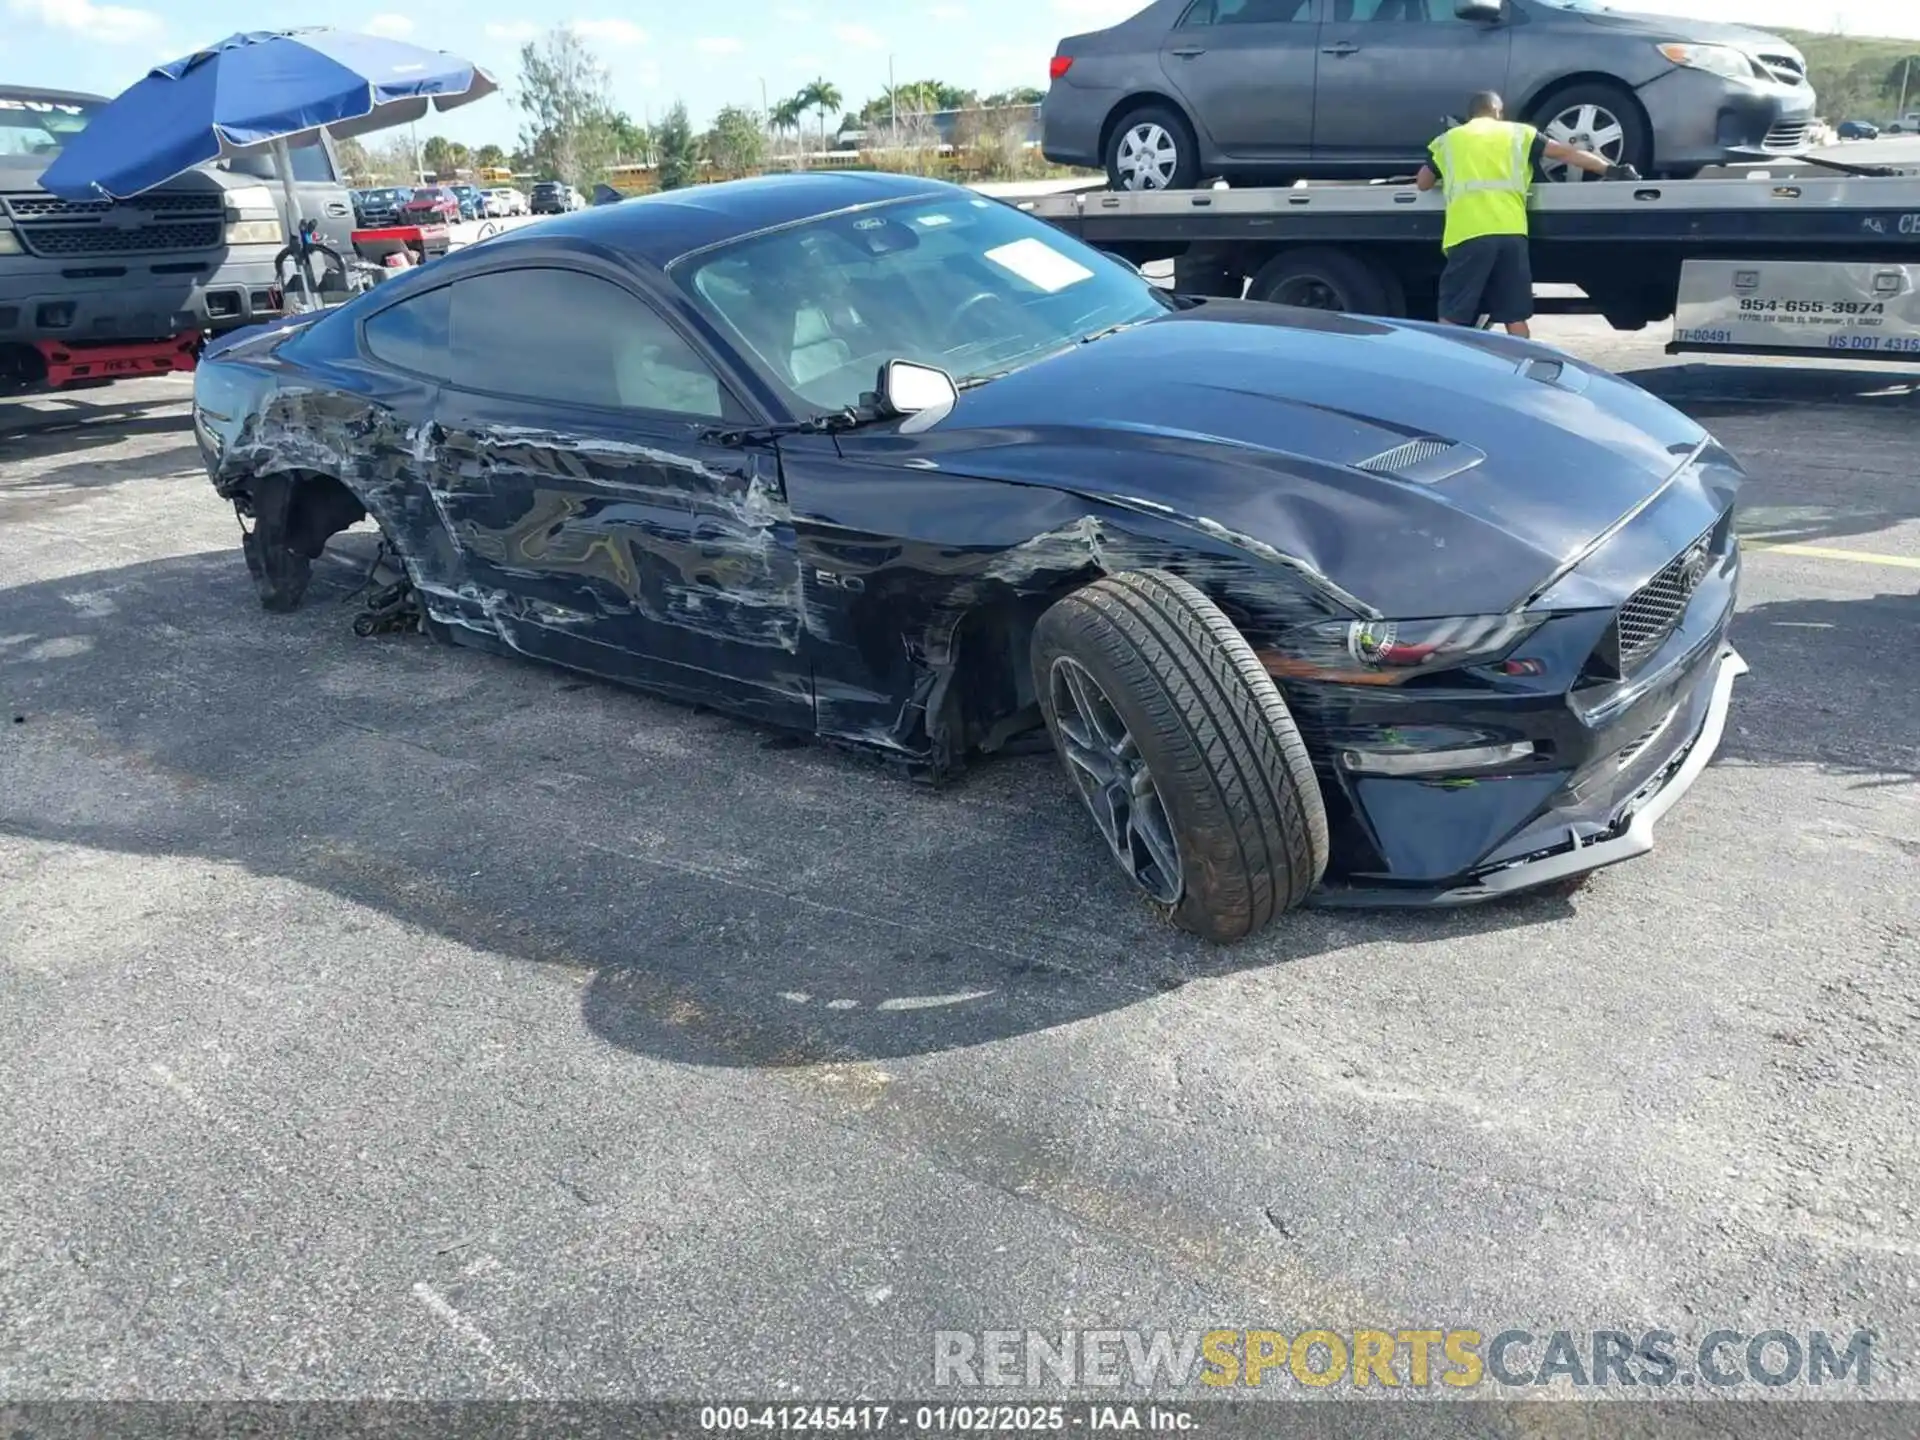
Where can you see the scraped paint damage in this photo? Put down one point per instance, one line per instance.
(649, 567)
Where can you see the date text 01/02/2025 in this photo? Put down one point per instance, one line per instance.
(961, 1419)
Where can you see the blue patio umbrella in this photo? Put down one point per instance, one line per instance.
(258, 92)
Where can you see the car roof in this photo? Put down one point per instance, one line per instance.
(660, 228)
(34, 92)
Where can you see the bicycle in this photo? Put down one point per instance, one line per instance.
(303, 288)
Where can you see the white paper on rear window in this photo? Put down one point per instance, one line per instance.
(1039, 264)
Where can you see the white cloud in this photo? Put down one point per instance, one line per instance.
(516, 30)
(109, 24)
(717, 45)
(611, 32)
(394, 27)
(858, 36)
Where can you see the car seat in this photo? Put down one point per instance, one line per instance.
(816, 350)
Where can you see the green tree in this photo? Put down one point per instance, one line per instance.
(632, 144)
(443, 156)
(737, 142)
(822, 95)
(1020, 95)
(787, 116)
(355, 163)
(563, 92)
(490, 157)
(677, 149)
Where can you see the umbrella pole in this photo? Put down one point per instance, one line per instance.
(283, 163)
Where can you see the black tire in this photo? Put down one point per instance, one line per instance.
(280, 575)
(1319, 278)
(1184, 171)
(1202, 270)
(1636, 136)
(1222, 757)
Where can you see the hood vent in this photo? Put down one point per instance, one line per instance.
(1425, 461)
(1556, 373)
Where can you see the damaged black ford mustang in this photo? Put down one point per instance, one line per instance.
(1312, 606)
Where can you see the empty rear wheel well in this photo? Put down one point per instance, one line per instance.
(300, 509)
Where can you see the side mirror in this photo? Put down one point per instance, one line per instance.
(1485, 10)
(910, 389)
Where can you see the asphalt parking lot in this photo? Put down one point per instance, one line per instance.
(387, 1020)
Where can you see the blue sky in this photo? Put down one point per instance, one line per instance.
(707, 55)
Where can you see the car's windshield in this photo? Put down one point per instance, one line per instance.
(39, 127)
(426, 194)
(969, 285)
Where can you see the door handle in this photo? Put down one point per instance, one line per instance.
(1189, 51)
(335, 208)
(1345, 47)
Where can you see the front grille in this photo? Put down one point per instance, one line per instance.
(63, 240)
(39, 205)
(1790, 135)
(1654, 610)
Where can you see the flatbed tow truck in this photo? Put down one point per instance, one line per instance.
(1799, 257)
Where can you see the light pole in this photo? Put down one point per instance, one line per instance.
(893, 106)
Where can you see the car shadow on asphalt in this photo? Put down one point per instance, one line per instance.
(64, 433)
(1829, 448)
(1710, 391)
(727, 897)
(1831, 685)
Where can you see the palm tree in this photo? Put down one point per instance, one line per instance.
(823, 95)
(786, 115)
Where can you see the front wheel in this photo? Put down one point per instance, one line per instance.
(1182, 750)
(1598, 118)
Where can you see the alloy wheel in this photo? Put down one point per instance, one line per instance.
(1584, 127)
(1113, 779)
(1148, 157)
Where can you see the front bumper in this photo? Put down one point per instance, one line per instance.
(39, 302)
(1627, 832)
(1700, 119)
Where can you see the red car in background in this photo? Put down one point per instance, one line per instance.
(431, 205)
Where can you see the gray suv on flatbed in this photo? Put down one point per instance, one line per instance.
(1274, 90)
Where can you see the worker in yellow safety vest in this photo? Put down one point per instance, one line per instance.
(1485, 168)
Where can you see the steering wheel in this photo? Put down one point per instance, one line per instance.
(966, 306)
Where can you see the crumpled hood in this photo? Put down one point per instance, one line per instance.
(1254, 419)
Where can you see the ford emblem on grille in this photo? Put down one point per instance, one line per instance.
(1698, 562)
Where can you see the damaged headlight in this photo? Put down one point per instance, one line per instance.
(1391, 652)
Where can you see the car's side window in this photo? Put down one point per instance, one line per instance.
(413, 334)
(559, 335)
(1394, 11)
(1249, 12)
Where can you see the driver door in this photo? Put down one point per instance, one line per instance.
(577, 470)
(1390, 70)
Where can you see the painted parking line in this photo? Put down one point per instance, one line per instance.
(1827, 552)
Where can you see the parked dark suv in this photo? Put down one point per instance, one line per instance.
(551, 197)
(1271, 90)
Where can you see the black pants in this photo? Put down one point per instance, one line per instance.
(1488, 275)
